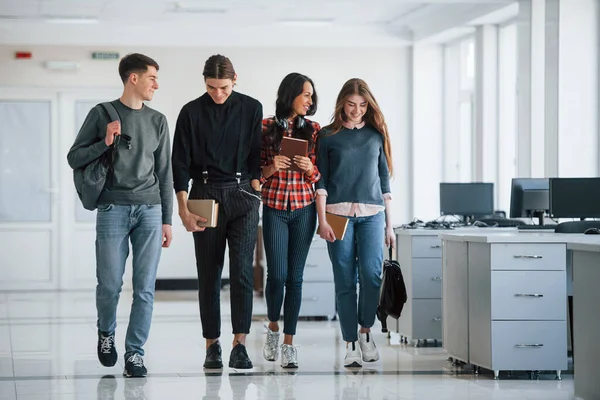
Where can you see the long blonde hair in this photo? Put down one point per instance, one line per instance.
(373, 116)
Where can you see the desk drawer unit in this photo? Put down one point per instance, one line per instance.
(528, 256)
(426, 247)
(420, 257)
(528, 295)
(517, 306)
(529, 345)
(318, 299)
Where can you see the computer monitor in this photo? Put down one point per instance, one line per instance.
(575, 197)
(466, 199)
(530, 197)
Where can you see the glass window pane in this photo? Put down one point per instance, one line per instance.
(25, 161)
(466, 139)
(507, 113)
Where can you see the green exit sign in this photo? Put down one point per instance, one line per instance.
(105, 55)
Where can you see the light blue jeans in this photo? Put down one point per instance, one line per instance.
(358, 257)
(116, 225)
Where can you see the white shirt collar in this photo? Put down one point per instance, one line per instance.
(349, 125)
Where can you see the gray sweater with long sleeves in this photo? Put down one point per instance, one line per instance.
(353, 166)
(142, 171)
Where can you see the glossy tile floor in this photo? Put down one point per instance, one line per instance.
(48, 351)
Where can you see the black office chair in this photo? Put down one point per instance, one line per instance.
(576, 226)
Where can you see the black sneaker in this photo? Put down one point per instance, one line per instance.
(213, 357)
(107, 352)
(134, 366)
(239, 358)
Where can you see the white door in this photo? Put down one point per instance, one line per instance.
(78, 225)
(28, 189)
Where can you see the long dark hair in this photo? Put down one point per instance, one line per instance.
(291, 87)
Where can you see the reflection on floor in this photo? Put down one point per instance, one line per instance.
(48, 351)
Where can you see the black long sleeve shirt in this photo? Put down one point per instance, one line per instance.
(217, 128)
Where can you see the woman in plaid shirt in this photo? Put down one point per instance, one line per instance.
(289, 212)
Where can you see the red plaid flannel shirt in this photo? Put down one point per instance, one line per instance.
(284, 185)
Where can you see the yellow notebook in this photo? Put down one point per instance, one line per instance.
(205, 208)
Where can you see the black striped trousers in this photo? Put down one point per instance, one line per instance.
(287, 236)
(237, 225)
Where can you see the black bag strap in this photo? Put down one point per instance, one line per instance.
(111, 111)
(113, 115)
(390, 252)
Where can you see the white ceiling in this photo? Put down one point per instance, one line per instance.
(234, 22)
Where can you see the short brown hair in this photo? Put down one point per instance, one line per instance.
(218, 67)
(135, 63)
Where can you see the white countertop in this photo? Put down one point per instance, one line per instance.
(589, 243)
(519, 237)
(438, 232)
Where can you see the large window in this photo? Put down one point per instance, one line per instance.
(507, 116)
(459, 83)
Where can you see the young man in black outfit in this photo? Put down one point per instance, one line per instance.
(217, 144)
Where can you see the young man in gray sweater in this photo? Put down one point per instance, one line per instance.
(136, 205)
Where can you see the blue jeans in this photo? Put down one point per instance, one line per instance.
(116, 225)
(358, 256)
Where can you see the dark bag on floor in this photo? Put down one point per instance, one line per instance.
(393, 292)
(91, 179)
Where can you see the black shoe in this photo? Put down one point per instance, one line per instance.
(239, 358)
(213, 357)
(134, 366)
(107, 352)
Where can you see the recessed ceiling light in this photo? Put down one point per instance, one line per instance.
(183, 8)
(306, 22)
(71, 20)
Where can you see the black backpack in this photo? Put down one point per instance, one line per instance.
(91, 179)
(393, 292)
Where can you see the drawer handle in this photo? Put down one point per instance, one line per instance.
(521, 346)
(311, 265)
(436, 246)
(436, 278)
(531, 257)
(312, 298)
(528, 295)
(437, 319)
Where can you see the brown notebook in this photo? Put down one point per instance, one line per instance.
(338, 224)
(291, 147)
(205, 208)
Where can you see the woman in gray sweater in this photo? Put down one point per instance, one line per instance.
(355, 161)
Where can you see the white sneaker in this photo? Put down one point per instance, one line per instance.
(367, 347)
(271, 349)
(289, 356)
(353, 358)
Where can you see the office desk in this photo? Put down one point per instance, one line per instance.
(586, 318)
(504, 297)
(419, 253)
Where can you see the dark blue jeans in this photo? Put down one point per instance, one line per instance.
(287, 237)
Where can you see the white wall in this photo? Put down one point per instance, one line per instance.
(260, 71)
